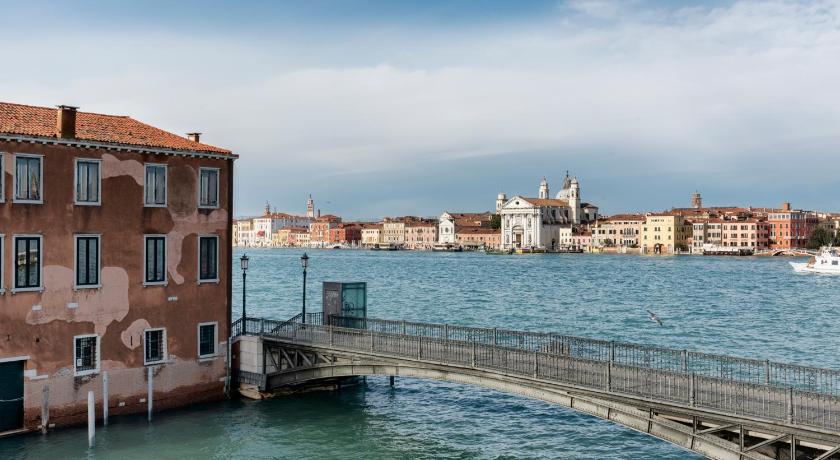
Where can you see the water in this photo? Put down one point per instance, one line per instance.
(744, 306)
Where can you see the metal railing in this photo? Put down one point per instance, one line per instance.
(813, 379)
(580, 364)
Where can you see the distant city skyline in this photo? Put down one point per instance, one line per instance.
(386, 108)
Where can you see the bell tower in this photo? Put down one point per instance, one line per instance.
(543, 188)
(310, 207)
(574, 201)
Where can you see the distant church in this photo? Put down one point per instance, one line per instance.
(537, 222)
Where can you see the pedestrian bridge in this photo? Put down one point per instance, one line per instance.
(719, 406)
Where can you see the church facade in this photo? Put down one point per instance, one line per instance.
(537, 223)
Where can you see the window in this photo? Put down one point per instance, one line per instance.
(28, 185)
(27, 262)
(207, 339)
(87, 261)
(85, 354)
(87, 182)
(155, 262)
(154, 346)
(208, 260)
(208, 190)
(155, 188)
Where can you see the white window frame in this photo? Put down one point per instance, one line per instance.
(165, 260)
(164, 354)
(40, 287)
(40, 182)
(165, 185)
(79, 373)
(98, 262)
(215, 325)
(98, 201)
(198, 260)
(218, 183)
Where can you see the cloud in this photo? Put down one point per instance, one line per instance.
(693, 90)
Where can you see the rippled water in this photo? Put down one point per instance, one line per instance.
(744, 306)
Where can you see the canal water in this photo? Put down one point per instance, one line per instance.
(751, 307)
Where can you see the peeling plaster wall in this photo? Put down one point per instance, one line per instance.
(42, 325)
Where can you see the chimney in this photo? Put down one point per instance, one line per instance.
(785, 206)
(65, 126)
(195, 137)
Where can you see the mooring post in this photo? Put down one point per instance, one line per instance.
(105, 398)
(767, 372)
(403, 327)
(150, 392)
(691, 391)
(91, 418)
(45, 409)
(392, 380)
(790, 405)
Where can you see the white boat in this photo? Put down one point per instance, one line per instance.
(827, 261)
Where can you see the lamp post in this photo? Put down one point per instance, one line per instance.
(304, 262)
(243, 263)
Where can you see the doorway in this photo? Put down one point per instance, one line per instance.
(11, 395)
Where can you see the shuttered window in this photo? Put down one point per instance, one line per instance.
(155, 186)
(87, 261)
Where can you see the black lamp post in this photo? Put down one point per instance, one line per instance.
(243, 263)
(304, 262)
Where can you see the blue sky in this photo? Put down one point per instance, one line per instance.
(384, 108)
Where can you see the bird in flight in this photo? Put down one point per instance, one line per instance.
(654, 318)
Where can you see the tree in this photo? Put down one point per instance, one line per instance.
(496, 221)
(820, 236)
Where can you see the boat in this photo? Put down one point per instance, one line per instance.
(826, 261)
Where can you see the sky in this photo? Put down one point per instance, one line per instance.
(385, 108)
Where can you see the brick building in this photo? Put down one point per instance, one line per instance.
(115, 255)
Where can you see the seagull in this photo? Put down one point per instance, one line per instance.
(654, 318)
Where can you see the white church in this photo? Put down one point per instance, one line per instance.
(537, 222)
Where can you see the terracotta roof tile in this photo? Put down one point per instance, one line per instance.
(41, 122)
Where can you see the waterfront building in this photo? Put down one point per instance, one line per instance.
(285, 238)
(537, 222)
(299, 237)
(266, 225)
(790, 228)
(745, 234)
(665, 233)
(115, 256)
(621, 230)
(371, 235)
(393, 231)
(319, 230)
(705, 232)
(244, 233)
(475, 237)
(421, 234)
(346, 233)
(449, 221)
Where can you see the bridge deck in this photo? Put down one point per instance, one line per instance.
(803, 399)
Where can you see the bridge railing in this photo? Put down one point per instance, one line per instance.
(723, 367)
(741, 398)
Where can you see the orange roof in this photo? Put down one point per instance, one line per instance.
(546, 202)
(116, 129)
(639, 217)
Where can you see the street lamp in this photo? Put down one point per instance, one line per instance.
(304, 262)
(243, 263)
